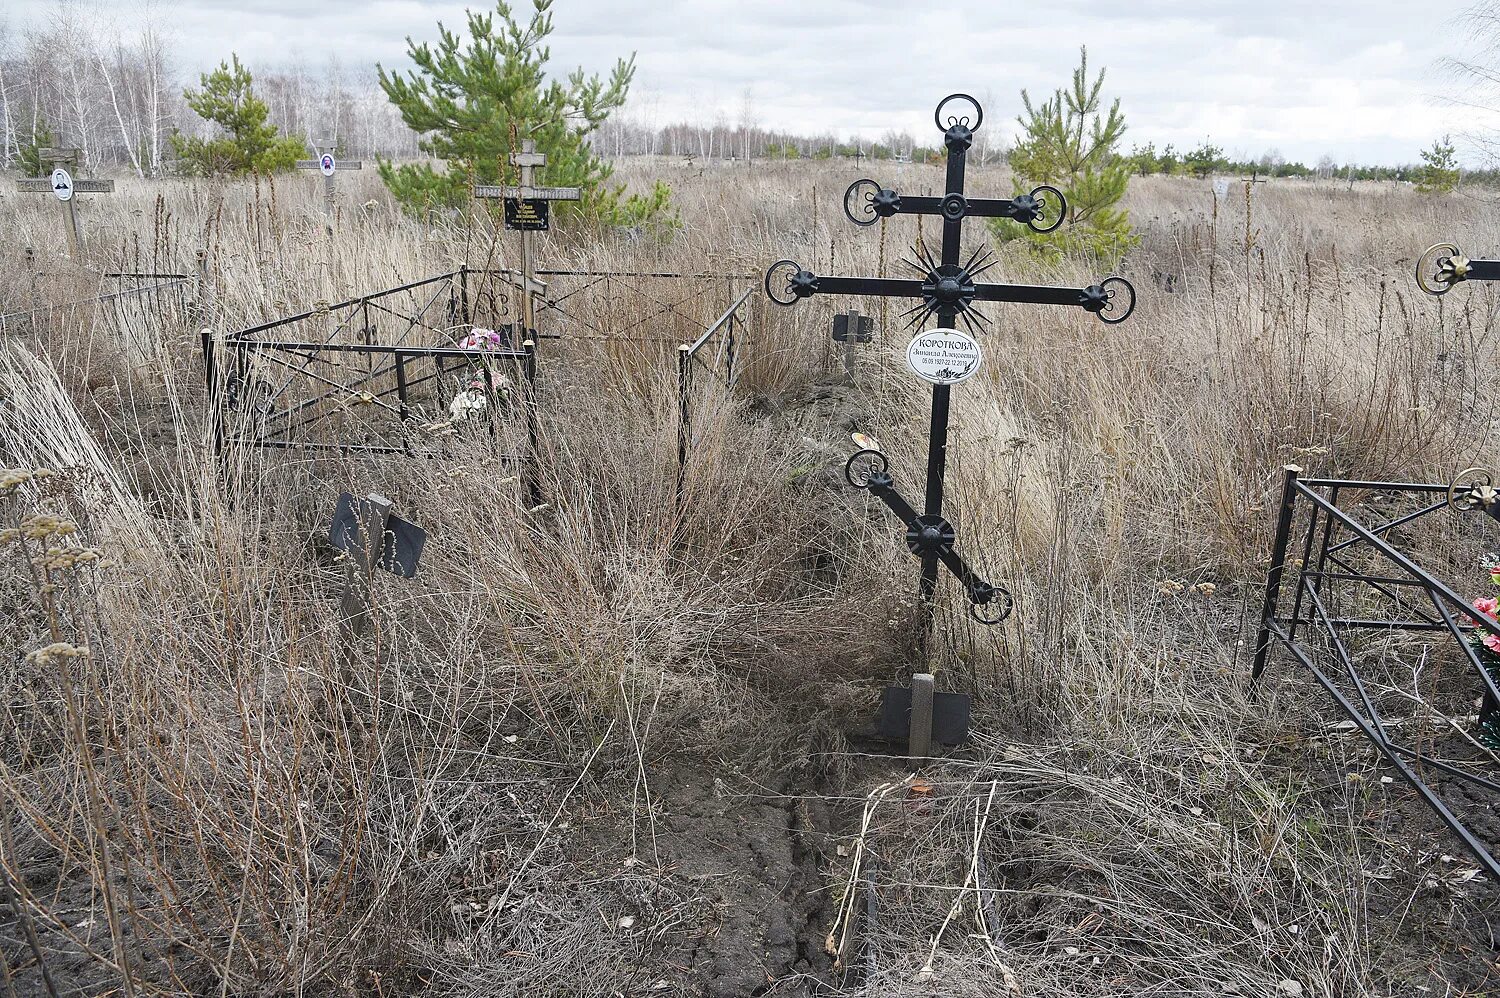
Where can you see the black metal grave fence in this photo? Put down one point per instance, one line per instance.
(295, 382)
(368, 375)
(1340, 593)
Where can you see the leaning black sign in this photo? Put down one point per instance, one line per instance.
(529, 214)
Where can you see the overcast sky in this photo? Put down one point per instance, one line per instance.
(1358, 81)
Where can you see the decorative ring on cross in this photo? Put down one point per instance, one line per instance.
(786, 282)
(1044, 208)
(1112, 300)
(859, 202)
(958, 117)
(992, 611)
(864, 465)
(1441, 266)
(1472, 488)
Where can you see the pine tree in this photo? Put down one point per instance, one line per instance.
(475, 101)
(246, 143)
(29, 157)
(1069, 143)
(1438, 173)
(1204, 160)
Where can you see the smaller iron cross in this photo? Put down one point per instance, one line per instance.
(1443, 265)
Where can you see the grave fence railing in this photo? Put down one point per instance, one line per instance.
(1344, 600)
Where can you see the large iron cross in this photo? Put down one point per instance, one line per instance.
(946, 289)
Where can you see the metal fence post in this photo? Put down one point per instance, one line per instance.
(1278, 565)
(463, 293)
(211, 382)
(729, 352)
(532, 473)
(684, 425)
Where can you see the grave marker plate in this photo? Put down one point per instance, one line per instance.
(62, 184)
(944, 356)
(527, 214)
(402, 547)
(864, 330)
(950, 715)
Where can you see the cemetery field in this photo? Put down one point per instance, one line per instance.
(615, 736)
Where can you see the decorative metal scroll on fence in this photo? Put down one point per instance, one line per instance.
(1342, 594)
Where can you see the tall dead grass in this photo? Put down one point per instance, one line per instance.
(209, 801)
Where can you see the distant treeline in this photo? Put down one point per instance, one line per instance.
(116, 91)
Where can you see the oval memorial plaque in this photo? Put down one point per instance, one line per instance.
(62, 184)
(943, 356)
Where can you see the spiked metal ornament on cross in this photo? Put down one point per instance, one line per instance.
(948, 290)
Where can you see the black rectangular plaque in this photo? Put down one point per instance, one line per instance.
(864, 333)
(403, 540)
(950, 715)
(528, 214)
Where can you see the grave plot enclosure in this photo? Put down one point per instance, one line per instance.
(139, 315)
(395, 371)
(1404, 654)
(404, 369)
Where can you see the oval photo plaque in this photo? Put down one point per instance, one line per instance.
(62, 184)
(943, 356)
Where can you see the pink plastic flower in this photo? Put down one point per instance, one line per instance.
(1492, 642)
(1487, 605)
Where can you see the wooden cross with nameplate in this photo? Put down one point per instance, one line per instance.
(63, 186)
(328, 166)
(526, 210)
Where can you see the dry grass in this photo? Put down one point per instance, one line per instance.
(520, 753)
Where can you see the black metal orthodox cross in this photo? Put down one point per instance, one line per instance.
(1443, 265)
(946, 289)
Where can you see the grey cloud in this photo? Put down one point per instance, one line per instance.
(1247, 76)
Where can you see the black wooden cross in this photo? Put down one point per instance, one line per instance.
(1442, 266)
(946, 289)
